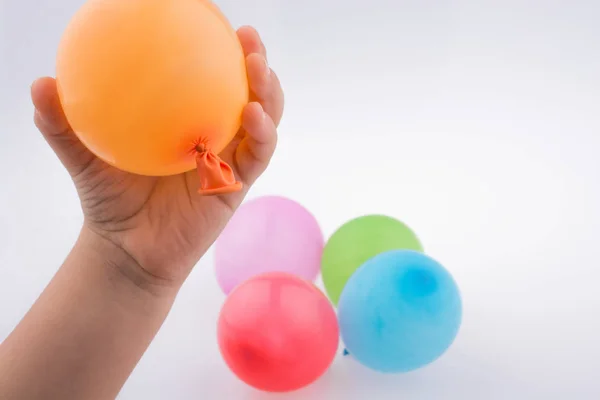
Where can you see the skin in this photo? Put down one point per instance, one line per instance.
(140, 239)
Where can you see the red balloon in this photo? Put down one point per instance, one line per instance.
(278, 332)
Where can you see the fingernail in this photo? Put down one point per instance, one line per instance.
(39, 115)
(267, 68)
(263, 114)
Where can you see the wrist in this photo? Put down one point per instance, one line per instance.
(120, 267)
(92, 324)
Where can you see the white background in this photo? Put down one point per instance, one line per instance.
(475, 122)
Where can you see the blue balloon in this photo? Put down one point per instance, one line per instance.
(399, 311)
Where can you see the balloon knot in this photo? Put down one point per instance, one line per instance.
(200, 146)
(215, 175)
(346, 352)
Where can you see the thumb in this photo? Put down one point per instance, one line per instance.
(52, 123)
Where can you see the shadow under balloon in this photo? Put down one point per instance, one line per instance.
(218, 382)
(460, 374)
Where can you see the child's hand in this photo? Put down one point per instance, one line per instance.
(141, 238)
(161, 225)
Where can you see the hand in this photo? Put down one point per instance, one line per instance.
(160, 224)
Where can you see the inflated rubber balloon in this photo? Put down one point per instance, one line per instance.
(268, 234)
(155, 87)
(400, 311)
(278, 332)
(357, 241)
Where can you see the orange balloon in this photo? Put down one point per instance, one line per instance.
(155, 87)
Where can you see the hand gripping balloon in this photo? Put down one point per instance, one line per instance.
(155, 87)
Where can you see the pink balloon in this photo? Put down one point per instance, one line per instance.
(268, 234)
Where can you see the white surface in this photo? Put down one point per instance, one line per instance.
(476, 122)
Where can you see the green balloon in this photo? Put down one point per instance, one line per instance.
(357, 241)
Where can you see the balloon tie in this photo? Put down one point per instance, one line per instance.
(216, 176)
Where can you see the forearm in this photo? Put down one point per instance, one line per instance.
(86, 332)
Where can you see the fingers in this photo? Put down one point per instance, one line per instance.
(264, 83)
(265, 86)
(251, 42)
(256, 149)
(52, 123)
(262, 116)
